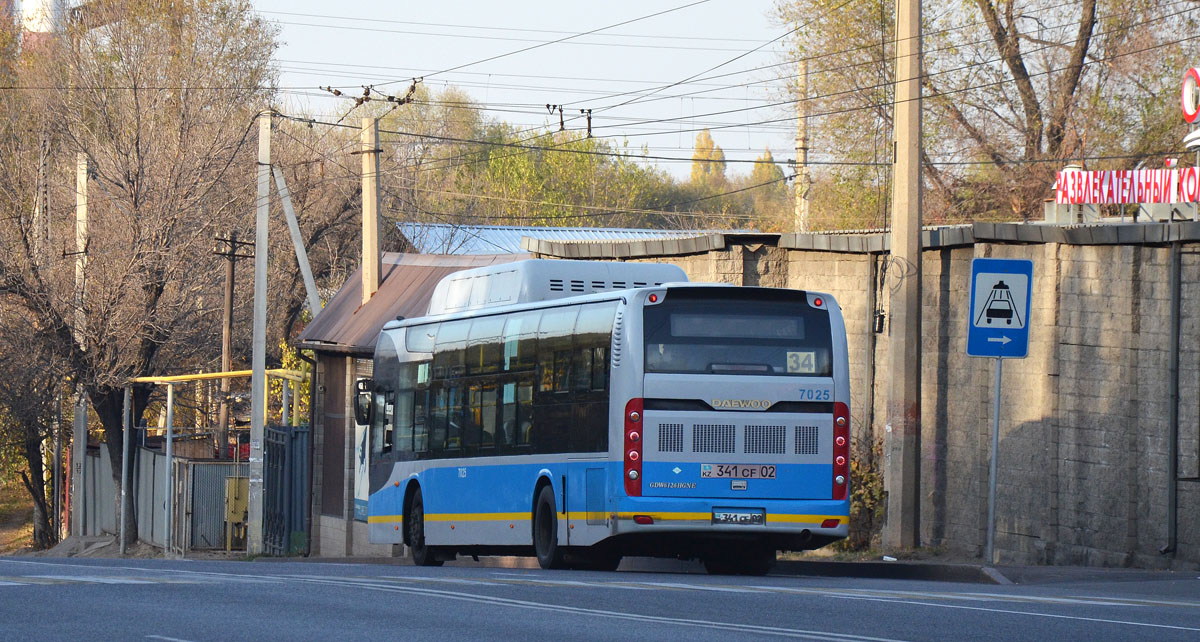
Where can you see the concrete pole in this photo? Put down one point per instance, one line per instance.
(286, 406)
(78, 454)
(258, 378)
(79, 442)
(58, 473)
(902, 438)
(170, 472)
(295, 403)
(126, 428)
(802, 223)
(369, 140)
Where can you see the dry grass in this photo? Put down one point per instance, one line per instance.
(16, 518)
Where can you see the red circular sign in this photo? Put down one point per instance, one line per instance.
(1190, 100)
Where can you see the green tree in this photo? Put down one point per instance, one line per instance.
(708, 162)
(770, 199)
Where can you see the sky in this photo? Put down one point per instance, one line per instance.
(674, 69)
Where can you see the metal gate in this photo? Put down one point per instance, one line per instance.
(285, 490)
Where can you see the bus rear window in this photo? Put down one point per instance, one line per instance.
(725, 331)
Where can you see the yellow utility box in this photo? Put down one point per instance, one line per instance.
(237, 493)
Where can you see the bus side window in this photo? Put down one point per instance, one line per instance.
(562, 370)
(437, 418)
(520, 341)
(599, 368)
(487, 418)
(583, 369)
(454, 417)
(554, 348)
(508, 415)
(472, 417)
(421, 420)
(593, 335)
(524, 412)
(404, 421)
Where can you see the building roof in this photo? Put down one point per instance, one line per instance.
(346, 325)
(443, 238)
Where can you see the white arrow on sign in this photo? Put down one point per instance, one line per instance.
(1002, 340)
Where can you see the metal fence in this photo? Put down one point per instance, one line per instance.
(199, 498)
(205, 510)
(285, 490)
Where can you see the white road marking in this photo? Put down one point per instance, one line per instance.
(93, 579)
(703, 587)
(1056, 616)
(163, 637)
(652, 619)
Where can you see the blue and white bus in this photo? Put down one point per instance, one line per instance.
(584, 411)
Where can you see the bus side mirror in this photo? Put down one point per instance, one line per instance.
(362, 401)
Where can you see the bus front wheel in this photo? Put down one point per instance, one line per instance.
(422, 555)
(545, 531)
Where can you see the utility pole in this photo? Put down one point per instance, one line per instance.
(231, 256)
(902, 438)
(79, 441)
(802, 177)
(58, 462)
(369, 140)
(258, 385)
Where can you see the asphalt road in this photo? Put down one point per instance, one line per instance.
(73, 599)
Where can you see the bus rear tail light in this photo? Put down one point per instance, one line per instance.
(633, 448)
(841, 450)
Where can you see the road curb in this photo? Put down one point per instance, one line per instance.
(895, 571)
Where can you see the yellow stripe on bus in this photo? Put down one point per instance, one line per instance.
(451, 517)
(474, 517)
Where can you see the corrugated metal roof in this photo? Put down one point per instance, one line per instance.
(346, 325)
(443, 238)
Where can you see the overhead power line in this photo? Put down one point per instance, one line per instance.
(551, 42)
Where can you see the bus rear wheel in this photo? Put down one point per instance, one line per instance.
(545, 531)
(422, 555)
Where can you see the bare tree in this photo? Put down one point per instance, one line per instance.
(30, 375)
(161, 100)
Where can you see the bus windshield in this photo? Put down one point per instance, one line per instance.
(724, 331)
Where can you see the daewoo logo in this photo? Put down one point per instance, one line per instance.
(748, 404)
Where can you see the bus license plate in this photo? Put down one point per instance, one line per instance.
(737, 471)
(741, 516)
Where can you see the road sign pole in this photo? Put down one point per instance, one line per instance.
(991, 525)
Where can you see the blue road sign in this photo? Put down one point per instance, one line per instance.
(1000, 297)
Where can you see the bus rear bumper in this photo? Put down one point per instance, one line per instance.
(816, 519)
